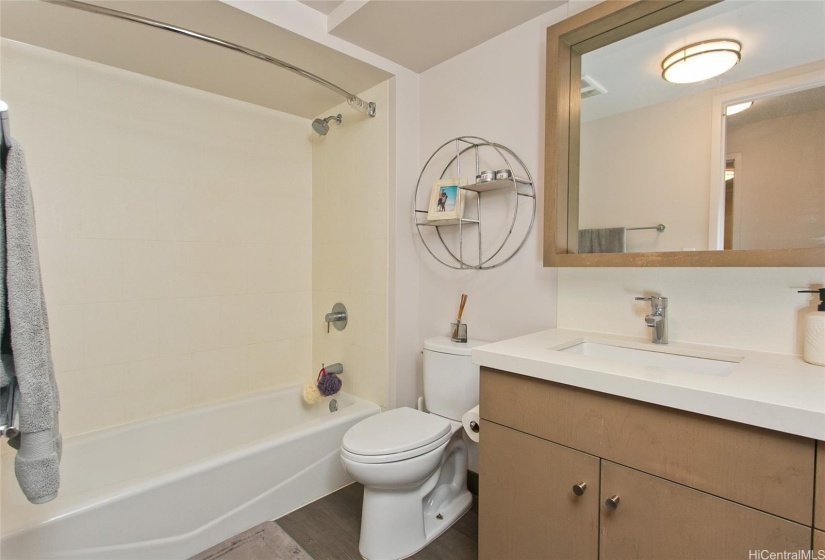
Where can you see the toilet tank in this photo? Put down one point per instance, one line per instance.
(450, 377)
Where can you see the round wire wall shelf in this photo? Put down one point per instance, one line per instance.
(508, 212)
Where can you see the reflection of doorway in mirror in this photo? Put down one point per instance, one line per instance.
(733, 190)
(784, 203)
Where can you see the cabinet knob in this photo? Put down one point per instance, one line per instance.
(612, 503)
(578, 489)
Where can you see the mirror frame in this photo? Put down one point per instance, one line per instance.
(567, 41)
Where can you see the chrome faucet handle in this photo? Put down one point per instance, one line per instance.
(656, 302)
(657, 319)
(651, 298)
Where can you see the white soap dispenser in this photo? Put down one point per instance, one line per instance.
(814, 343)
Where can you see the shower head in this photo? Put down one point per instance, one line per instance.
(321, 126)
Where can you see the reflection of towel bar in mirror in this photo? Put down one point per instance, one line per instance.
(659, 228)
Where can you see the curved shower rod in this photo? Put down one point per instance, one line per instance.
(366, 107)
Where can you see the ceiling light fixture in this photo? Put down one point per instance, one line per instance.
(738, 108)
(701, 61)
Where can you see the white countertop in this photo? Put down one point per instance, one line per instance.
(776, 391)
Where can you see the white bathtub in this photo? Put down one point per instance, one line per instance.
(173, 486)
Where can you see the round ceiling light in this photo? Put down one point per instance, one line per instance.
(701, 61)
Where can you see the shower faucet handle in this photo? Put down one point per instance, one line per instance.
(337, 317)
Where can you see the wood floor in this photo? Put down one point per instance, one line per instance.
(328, 529)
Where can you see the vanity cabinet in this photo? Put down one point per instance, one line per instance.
(689, 486)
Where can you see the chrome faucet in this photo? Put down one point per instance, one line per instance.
(657, 320)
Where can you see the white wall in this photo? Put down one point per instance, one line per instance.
(174, 229)
(780, 182)
(349, 257)
(647, 167)
(751, 308)
(494, 91)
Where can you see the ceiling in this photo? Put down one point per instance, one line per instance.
(775, 36)
(419, 34)
(794, 103)
(193, 63)
(324, 6)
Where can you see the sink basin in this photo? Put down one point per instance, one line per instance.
(664, 359)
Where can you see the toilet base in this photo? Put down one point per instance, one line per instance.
(396, 524)
(452, 512)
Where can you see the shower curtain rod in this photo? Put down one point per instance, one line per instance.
(366, 107)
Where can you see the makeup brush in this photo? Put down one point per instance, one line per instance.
(460, 313)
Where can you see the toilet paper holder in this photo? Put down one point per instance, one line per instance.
(471, 421)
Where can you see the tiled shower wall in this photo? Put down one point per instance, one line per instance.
(175, 237)
(349, 264)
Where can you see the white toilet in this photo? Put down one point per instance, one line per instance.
(413, 464)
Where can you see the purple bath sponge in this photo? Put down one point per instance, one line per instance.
(329, 384)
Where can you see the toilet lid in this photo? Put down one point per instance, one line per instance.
(395, 431)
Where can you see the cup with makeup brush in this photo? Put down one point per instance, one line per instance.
(459, 329)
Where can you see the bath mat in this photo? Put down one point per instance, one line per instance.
(267, 541)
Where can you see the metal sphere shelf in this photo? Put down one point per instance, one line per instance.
(451, 252)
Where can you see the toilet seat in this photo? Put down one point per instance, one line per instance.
(395, 435)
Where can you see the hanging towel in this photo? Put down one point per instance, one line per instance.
(26, 346)
(603, 240)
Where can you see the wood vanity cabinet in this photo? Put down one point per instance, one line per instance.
(688, 485)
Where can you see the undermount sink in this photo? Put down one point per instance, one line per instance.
(664, 359)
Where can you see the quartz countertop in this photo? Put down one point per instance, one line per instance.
(776, 391)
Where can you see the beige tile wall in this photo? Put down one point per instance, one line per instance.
(349, 206)
(175, 237)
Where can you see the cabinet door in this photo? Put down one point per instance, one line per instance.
(659, 519)
(527, 507)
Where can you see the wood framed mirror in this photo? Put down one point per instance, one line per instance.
(606, 25)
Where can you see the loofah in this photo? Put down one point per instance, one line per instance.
(310, 393)
(329, 384)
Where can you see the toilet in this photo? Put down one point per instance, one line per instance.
(413, 464)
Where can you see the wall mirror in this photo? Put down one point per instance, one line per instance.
(640, 171)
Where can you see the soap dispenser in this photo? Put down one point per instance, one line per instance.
(814, 344)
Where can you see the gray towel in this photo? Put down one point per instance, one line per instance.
(27, 328)
(603, 240)
(5, 342)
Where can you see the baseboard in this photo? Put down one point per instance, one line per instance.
(472, 482)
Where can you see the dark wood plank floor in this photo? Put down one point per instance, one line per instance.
(328, 529)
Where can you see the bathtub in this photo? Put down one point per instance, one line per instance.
(174, 486)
